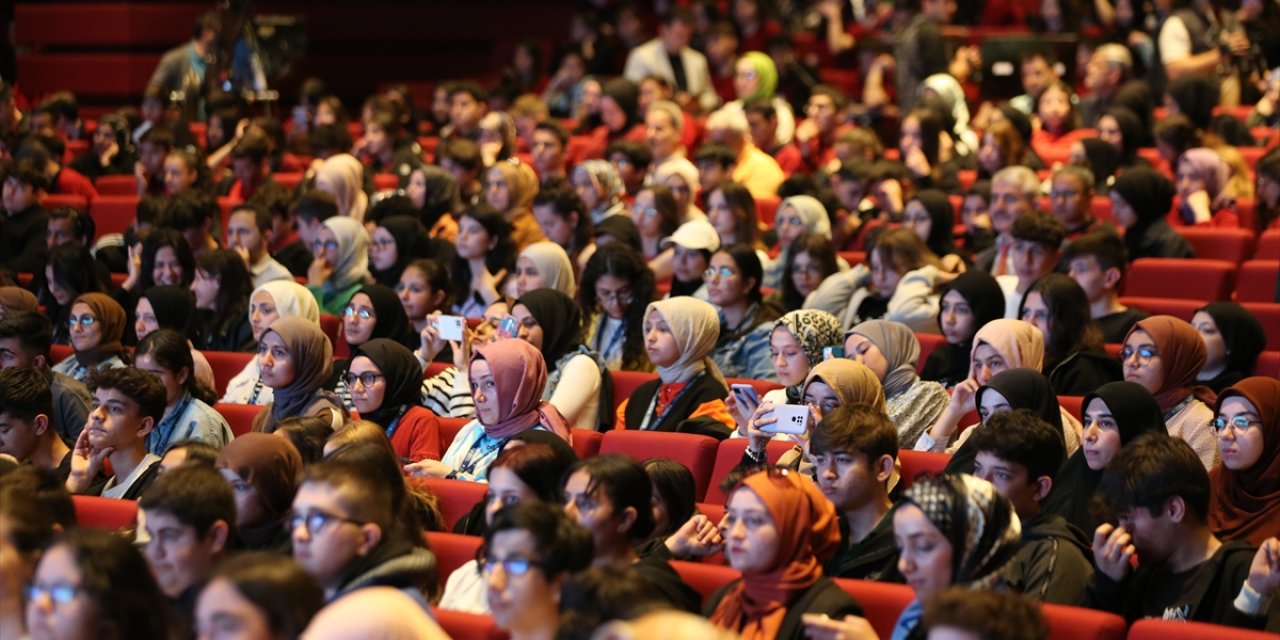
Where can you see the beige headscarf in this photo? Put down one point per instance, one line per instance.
(1019, 343)
(553, 266)
(343, 176)
(695, 325)
(374, 613)
(522, 183)
(851, 381)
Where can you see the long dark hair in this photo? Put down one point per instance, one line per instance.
(501, 256)
(118, 582)
(1072, 328)
(625, 263)
(626, 484)
(73, 269)
(744, 256)
(235, 284)
(744, 211)
(158, 239)
(170, 350)
(821, 251)
(674, 483)
(437, 279)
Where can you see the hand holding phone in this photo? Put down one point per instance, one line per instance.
(450, 327)
(789, 418)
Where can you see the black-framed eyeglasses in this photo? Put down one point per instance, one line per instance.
(1145, 354)
(317, 521)
(331, 245)
(1237, 424)
(59, 592)
(366, 378)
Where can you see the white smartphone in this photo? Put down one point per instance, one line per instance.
(450, 327)
(746, 392)
(791, 418)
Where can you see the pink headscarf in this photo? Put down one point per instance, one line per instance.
(1213, 171)
(520, 374)
(1019, 343)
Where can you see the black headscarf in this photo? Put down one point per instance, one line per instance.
(1244, 338)
(403, 374)
(1021, 123)
(941, 240)
(442, 196)
(1150, 194)
(1024, 389)
(175, 307)
(1104, 159)
(986, 300)
(411, 243)
(1135, 412)
(1131, 131)
(560, 319)
(622, 228)
(393, 322)
(627, 95)
(1196, 96)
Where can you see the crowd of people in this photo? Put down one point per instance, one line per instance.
(696, 207)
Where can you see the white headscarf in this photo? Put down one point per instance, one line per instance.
(353, 251)
(343, 177)
(952, 94)
(695, 325)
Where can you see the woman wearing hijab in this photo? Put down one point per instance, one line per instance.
(14, 299)
(1206, 199)
(798, 343)
(1100, 157)
(263, 472)
(507, 381)
(619, 112)
(510, 187)
(97, 326)
(1164, 354)
(342, 176)
(1123, 128)
(544, 264)
(797, 215)
(374, 312)
(1140, 200)
(598, 184)
(998, 346)
(891, 351)
(295, 359)
(434, 193)
(1114, 414)
(1233, 340)
(170, 307)
(681, 176)
(951, 95)
(397, 241)
(778, 530)
(276, 299)
(688, 395)
(932, 217)
(1007, 391)
(756, 78)
(1245, 497)
(552, 323)
(385, 382)
(341, 265)
(968, 303)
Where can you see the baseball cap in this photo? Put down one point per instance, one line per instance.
(694, 234)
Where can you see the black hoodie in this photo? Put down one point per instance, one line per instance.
(1054, 563)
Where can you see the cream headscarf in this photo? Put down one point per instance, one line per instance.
(343, 176)
(553, 266)
(695, 325)
(1019, 343)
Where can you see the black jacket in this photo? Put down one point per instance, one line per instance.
(823, 597)
(1084, 371)
(872, 558)
(1054, 563)
(22, 240)
(705, 388)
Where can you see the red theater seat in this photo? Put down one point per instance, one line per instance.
(917, 463)
(452, 551)
(113, 214)
(767, 210)
(225, 365)
(468, 626)
(1257, 281)
(239, 416)
(928, 342)
(586, 443)
(703, 577)
(697, 453)
(1075, 623)
(1153, 629)
(94, 512)
(457, 497)
(116, 185)
(449, 428)
(1175, 307)
(1268, 245)
(331, 325)
(1175, 278)
(728, 455)
(881, 601)
(385, 181)
(626, 382)
(1268, 364)
(1073, 404)
(1220, 243)
(59, 352)
(1268, 313)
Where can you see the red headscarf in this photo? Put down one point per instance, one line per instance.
(808, 534)
(1182, 353)
(1246, 503)
(520, 374)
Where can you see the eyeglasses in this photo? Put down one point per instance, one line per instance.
(746, 75)
(647, 212)
(84, 321)
(510, 566)
(1237, 424)
(59, 593)
(331, 245)
(363, 314)
(722, 272)
(616, 297)
(1145, 354)
(367, 378)
(316, 521)
(1063, 194)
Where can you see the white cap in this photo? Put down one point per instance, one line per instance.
(694, 234)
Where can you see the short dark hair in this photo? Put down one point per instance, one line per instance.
(856, 428)
(261, 216)
(626, 484)
(308, 435)
(639, 155)
(463, 152)
(82, 224)
(159, 136)
(255, 147)
(117, 580)
(140, 386)
(1021, 437)
(50, 495)
(565, 546)
(987, 613)
(332, 137)
(33, 331)
(470, 88)
(25, 394)
(1104, 245)
(191, 209)
(596, 595)
(367, 496)
(1150, 470)
(717, 153)
(152, 210)
(854, 170)
(679, 14)
(28, 173)
(1038, 226)
(316, 205)
(554, 128)
(204, 21)
(837, 96)
(287, 595)
(564, 200)
(762, 106)
(62, 104)
(195, 495)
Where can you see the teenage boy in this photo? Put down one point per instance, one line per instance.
(1019, 454)
(467, 105)
(1036, 248)
(195, 214)
(853, 450)
(550, 151)
(1158, 491)
(186, 517)
(312, 209)
(22, 236)
(25, 339)
(1097, 262)
(26, 433)
(343, 534)
(127, 404)
(250, 167)
(249, 233)
(461, 158)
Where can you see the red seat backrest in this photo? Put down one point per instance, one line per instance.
(1153, 629)
(95, 512)
(695, 452)
(1177, 278)
(449, 428)
(239, 416)
(116, 185)
(434, 369)
(289, 181)
(1268, 364)
(728, 455)
(468, 626)
(331, 325)
(767, 210)
(225, 365)
(626, 382)
(385, 181)
(881, 601)
(59, 352)
(52, 201)
(928, 342)
(452, 551)
(1175, 307)
(1258, 281)
(1268, 313)
(1220, 243)
(703, 577)
(1268, 245)
(1075, 623)
(457, 497)
(113, 214)
(1073, 405)
(586, 443)
(916, 463)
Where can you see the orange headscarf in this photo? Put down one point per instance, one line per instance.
(808, 534)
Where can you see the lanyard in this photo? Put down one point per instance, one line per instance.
(257, 389)
(614, 340)
(469, 462)
(391, 428)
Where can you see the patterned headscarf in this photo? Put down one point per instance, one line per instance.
(813, 329)
(979, 522)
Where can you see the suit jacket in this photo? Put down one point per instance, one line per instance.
(650, 58)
